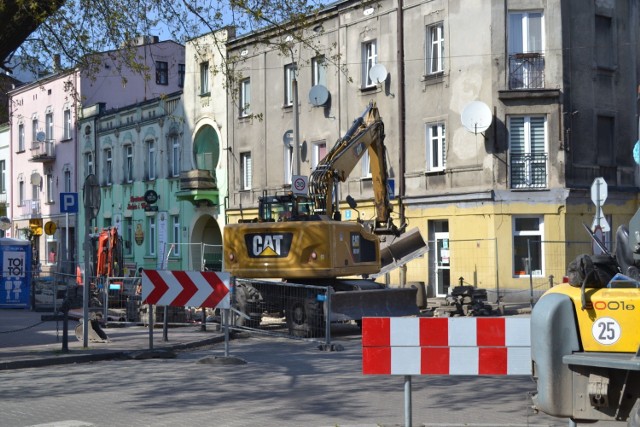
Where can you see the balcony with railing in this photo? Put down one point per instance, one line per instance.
(526, 71)
(31, 209)
(529, 171)
(43, 151)
(199, 186)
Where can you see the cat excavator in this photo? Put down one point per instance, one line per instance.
(585, 336)
(302, 239)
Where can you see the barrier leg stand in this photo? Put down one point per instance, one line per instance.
(150, 320)
(165, 325)
(225, 316)
(407, 401)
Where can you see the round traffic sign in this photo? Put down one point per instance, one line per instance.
(50, 227)
(599, 191)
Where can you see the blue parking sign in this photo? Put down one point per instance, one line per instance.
(69, 202)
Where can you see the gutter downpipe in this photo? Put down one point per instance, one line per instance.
(401, 125)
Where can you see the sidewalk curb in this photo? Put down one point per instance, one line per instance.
(70, 358)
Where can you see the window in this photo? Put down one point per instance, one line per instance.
(20, 137)
(436, 147)
(365, 161)
(245, 164)
(128, 236)
(605, 47)
(49, 126)
(175, 155)
(52, 252)
(204, 78)
(527, 246)
(88, 163)
(289, 77)
(152, 236)
(151, 160)
(67, 124)
(108, 167)
(245, 97)
(49, 185)
(525, 50)
(319, 152)
(369, 59)
(128, 163)
(288, 164)
(162, 73)
(67, 181)
(34, 130)
(175, 234)
(3, 176)
(527, 142)
(319, 71)
(181, 74)
(435, 48)
(605, 128)
(35, 192)
(20, 193)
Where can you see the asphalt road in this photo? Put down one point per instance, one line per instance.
(282, 383)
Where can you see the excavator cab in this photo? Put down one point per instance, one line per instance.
(286, 207)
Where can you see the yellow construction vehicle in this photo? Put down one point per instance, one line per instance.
(302, 239)
(585, 337)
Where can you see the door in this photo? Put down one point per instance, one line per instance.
(442, 264)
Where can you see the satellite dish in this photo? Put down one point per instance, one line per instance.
(40, 136)
(287, 138)
(378, 74)
(318, 95)
(636, 152)
(35, 178)
(476, 117)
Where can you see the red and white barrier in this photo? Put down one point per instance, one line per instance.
(446, 346)
(186, 288)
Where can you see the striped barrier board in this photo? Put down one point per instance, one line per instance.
(186, 288)
(446, 346)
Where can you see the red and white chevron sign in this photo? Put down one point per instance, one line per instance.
(186, 288)
(446, 346)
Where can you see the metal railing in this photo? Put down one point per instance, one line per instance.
(526, 71)
(31, 209)
(529, 170)
(44, 149)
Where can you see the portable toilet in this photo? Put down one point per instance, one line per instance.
(15, 273)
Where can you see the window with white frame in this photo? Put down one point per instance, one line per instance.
(48, 118)
(88, 163)
(3, 176)
(435, 48)
(369, 59)
(318, 153)
(527, 151)
(34, 129)
(175, 155)
(175, 234)
(21, 193)
(246, 170)
(20, 137)
(365, 162)
(528, 233)
(108, 167)
(67, 181)
(152, 236)
(49, 188)
(436, 147)
(319, 71)
(128, 163)
(66, 133)
(151, 159)
(128, 236)
(289, 77)
(204, 78)
(288, 164)
(525, 49)
(245, 97)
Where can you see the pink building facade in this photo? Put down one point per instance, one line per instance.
(44, 141)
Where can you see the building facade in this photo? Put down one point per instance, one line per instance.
(498, 117)
(45, 141)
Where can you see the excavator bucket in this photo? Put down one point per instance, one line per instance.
(354, 305)
(96, 333)
(400, 251)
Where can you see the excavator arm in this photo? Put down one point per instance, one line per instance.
(365, 134)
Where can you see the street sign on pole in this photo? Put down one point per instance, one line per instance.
(599, 193)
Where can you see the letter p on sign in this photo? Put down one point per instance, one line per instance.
(69, 202)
